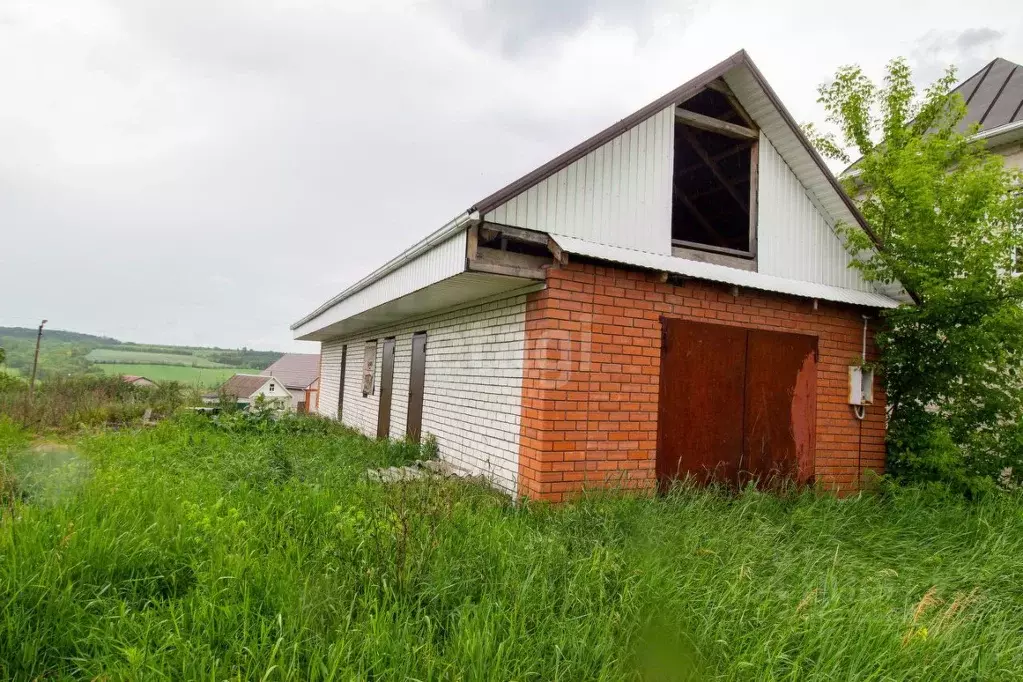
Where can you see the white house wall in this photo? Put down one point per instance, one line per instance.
(619, 194)
(795, 239)
(473, 390)
(279, 392)
(438, 263)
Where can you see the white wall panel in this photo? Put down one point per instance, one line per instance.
(472, 399)
(795, 238)
(619, 194)
(443, 261)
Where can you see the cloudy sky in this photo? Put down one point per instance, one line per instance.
(207, 172)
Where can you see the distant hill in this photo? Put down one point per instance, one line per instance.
(66, 353)
(58, 335)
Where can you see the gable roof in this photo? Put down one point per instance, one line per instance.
(993, 95)
(243, 385)
(679, 94)
(295, 370)
(756, 96)
(134, 378)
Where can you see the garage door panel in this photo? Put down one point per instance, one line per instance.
(780, 407)
(701, 406)
(736, 404)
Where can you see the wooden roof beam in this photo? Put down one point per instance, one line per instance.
(715, 125)
(722, 87)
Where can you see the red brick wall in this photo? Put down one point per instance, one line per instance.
(592, 367)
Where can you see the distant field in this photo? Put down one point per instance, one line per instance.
(208, 377)
(115, 355)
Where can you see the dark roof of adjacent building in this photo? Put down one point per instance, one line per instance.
(243, 385)
(993, 95)
(295, 370)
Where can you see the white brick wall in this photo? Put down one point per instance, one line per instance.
(473, 390)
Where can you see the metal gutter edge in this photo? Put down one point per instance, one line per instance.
(1007, 129)
(460, 222)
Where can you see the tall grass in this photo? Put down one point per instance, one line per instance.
(72, 402)
(195, 551)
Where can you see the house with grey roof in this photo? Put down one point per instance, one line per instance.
(247, 388)
(994, 101)
(300, 374)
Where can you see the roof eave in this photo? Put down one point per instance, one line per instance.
(460, 222)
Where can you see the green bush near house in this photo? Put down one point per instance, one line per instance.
(253, 548)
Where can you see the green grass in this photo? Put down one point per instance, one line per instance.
(209, 377)
(10, 370)
(120, 356)
(191, 551)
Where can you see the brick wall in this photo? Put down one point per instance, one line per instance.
(590, 390)
(473, 388)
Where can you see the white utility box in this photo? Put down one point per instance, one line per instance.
(861, 386)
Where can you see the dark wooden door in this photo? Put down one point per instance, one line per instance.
(701, 404)
(735, 404)
(781, 406)
(341, 383)
(416, 385)
(386, 384)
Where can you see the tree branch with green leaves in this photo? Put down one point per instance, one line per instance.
(947, 214)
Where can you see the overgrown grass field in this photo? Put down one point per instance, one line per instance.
(143, 357)
(244, 550)
(207, 377)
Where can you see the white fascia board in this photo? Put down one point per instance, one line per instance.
(460, 222)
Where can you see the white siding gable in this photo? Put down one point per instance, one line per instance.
(279, 392)
(619, 194)
(796, 239)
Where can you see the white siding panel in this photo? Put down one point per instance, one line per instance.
(796, 238)
(436, 264)
(619, 194)
(472, 398)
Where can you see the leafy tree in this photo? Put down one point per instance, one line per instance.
(3, 355)
(947, 214)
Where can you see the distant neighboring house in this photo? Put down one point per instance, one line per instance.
(137, 380)
(300, 373)
(994, 100)
(247, 387)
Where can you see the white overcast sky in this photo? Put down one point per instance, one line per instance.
(205, 172)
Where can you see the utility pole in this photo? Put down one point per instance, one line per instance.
(35, 362)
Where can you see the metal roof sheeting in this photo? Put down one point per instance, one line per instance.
(295, 370)
(993, 95)
(721, 273)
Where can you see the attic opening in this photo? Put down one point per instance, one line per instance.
(714, 182)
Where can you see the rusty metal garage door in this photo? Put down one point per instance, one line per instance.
(735, 404)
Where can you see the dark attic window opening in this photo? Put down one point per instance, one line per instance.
(713, 185)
